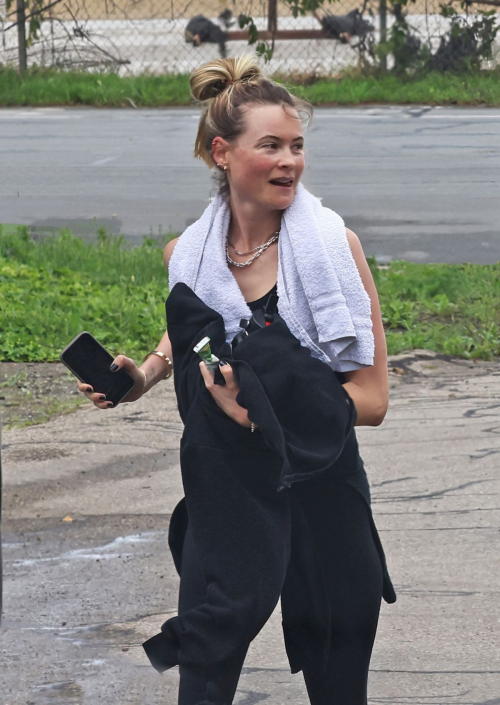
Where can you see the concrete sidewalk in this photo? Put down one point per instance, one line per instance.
(88, 575)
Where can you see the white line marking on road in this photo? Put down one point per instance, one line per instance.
(101, 162)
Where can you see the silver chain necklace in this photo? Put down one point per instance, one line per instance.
(260, 249)
(253, 248)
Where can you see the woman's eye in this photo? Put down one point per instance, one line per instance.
(273, 145)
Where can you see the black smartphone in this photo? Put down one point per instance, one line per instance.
(88, 360)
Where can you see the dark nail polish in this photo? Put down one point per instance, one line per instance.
(113, 367)
(89, 389)
(110, 404)
(102, 397)
(221, 363)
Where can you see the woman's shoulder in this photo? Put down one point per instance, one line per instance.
(167, 251)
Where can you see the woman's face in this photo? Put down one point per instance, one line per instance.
(271, 148)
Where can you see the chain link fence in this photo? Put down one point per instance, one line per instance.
(133, 37)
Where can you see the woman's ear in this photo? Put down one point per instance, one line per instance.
(219, 150)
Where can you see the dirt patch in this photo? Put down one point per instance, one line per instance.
(34, 392)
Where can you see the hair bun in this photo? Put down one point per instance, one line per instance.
(219, 75)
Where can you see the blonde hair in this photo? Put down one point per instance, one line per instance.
(223, 87)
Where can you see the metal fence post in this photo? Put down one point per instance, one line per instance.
(272, 16)
(21, 36)
(383, 30)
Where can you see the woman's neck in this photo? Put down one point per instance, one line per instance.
(250, 227)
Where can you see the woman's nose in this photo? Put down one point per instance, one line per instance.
(286, 158)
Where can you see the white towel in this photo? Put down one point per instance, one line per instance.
(321, 296)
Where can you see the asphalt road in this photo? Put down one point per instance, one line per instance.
(417, 183)
(89, 575)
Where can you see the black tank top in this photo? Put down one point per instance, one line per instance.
(260, 303)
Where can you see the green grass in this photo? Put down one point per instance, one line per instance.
(48, 87)
(434, 89)
(449, 308)
(54, 288)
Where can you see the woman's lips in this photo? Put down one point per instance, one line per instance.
(284, 185)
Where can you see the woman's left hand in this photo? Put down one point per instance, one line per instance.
(225, 395)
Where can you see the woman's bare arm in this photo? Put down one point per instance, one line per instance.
(154, 366)
(369, 386)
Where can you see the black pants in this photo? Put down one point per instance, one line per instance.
(353, 573)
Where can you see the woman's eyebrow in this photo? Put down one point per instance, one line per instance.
(273, 137)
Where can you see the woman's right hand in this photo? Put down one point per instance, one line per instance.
(99, 399)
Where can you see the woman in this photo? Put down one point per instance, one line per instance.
(252, 130)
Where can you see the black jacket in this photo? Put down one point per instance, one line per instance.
(252, 540)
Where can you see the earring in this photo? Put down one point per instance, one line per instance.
(220, 165)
